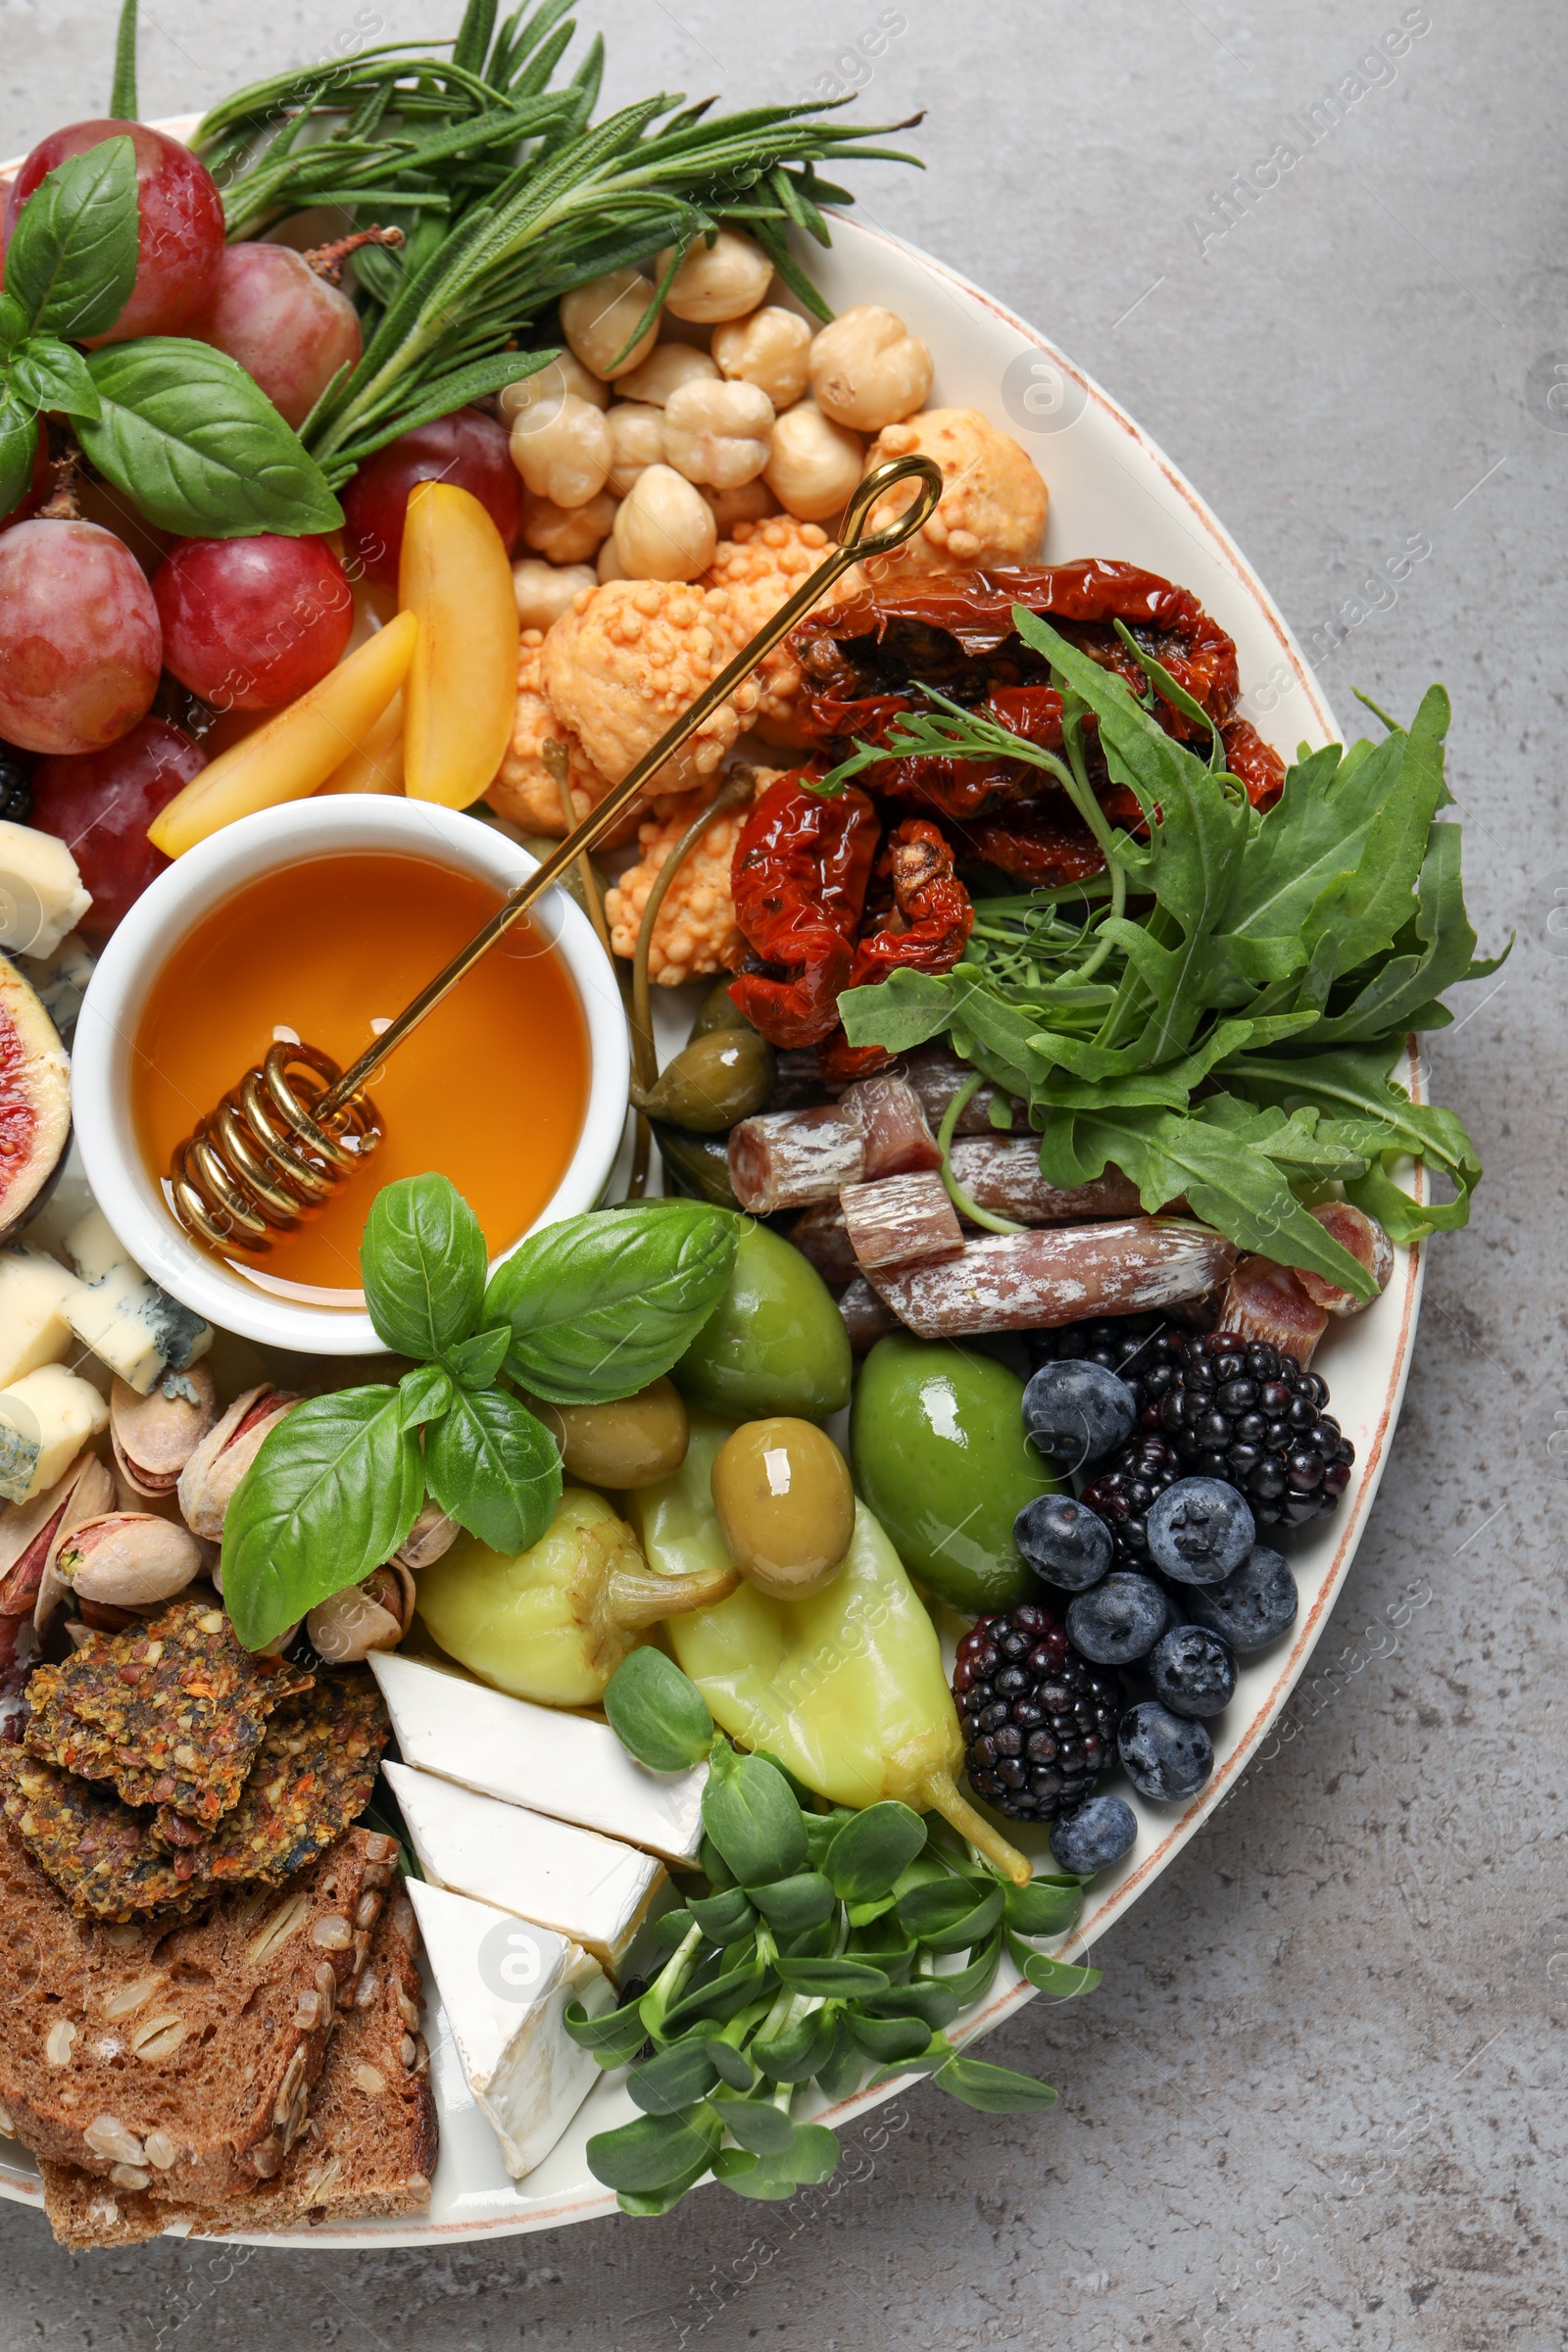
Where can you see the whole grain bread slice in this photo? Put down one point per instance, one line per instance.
(368, 2149)
(178, 2058)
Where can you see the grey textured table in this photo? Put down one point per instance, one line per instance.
(1319, 2098)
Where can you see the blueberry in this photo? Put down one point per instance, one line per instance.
(1193, 1671)
(1097, 1833)
(1120, 1620)
(1164, 1757)
(1253, 1606)
(1064, 1542)
(1199, 1530)
(1075, 1411)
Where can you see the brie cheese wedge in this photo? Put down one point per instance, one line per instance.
(587, 1888)
(539, 1757)
(505, 1985)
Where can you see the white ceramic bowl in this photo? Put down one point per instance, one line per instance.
(133, 1198)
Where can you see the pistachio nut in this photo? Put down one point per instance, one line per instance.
(373, 1615)
(432, 1533)
(225, 1455)
(29, 1538)
(128, 1558)
(154, 1436)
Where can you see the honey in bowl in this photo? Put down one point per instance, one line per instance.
(490, 1090)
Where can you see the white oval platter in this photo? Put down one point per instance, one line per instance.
(1113, 493)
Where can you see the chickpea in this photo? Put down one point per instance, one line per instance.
(632, 1442)
(815, 464)
(753, 502)
(664, 527)
(869, 371)
(567, 534)
(636, 441)
(564, 374)
(600, 319)
(665, 370)
(772, 349)
(786, 1505)
(718, 432)
(609, 566)
(561, 449)
(544, 591)
(721, 280)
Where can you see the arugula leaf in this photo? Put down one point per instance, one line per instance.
(1372, 1114)
(423, 1263)
(19, 447)
(332, 1492)
(71, 261)
(197, 445)
(600, 1304)
(494, 1468)
(50, 375)
(1402, 994)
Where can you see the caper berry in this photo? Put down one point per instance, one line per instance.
(785, 1503)
(717, 1010)
(632, 1442)
(713, 1082)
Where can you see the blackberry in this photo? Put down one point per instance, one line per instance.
(1039, 1722)
(1124, 1494)
(1231, 1408)
(16, 793)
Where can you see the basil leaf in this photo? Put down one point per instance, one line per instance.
(13, 323)
(422, 1263)
(52, 376)
(426, 1393)
(993, 2090)
(19, 447)
(494, 1468)
(753, 1819)
(71, 261)
(659, 1715)
(473, 1363)
(332, 1492)
(873, 1850)
(601, 1304)
(198, 446)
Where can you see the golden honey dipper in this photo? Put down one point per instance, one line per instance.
(294, 1129)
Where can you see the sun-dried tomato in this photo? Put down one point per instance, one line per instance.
(799, 882)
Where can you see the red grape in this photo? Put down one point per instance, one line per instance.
(286, 326)
(80, 643)
(34, 496)
(251, 623)
(101, 805)
(181, 222)
(465, 448)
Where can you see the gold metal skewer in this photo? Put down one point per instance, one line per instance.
(295, 1129)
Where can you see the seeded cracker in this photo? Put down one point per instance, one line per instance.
(312, 1775)
(171, 1712)
(95, 1850)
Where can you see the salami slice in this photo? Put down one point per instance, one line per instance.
(794, 1158)
(866, 1318)
(1001, 1173)
(1032, 1280)
(900, 1221)
(1368, 1244)
(1266, 1302)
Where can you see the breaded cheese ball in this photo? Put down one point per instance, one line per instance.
(632, 655)
(993, 509)
(759, 566)
(695, 932)
(525, 790)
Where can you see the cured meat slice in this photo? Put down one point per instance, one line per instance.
(820, 1234)
(866, 1317)
(898, 1139)
(1368, 1244)
(1033, 1281)
(937, 1074)
(1002, 1174)
(900, 1221)
(1266, 1302)
(794, 1158)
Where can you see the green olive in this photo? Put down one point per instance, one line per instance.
(700, 1162)
(712, 1081)
(784, 1500)
(633, 1443)
(939, 1456)
(719, 1010)
(774, 1344)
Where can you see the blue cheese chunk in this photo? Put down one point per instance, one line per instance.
(504, 1987)
(46, 1418)
(34, 1329)
(60, 981)
(41, 896)
(590, 1888)
(129, 1323)
(552, 1762)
